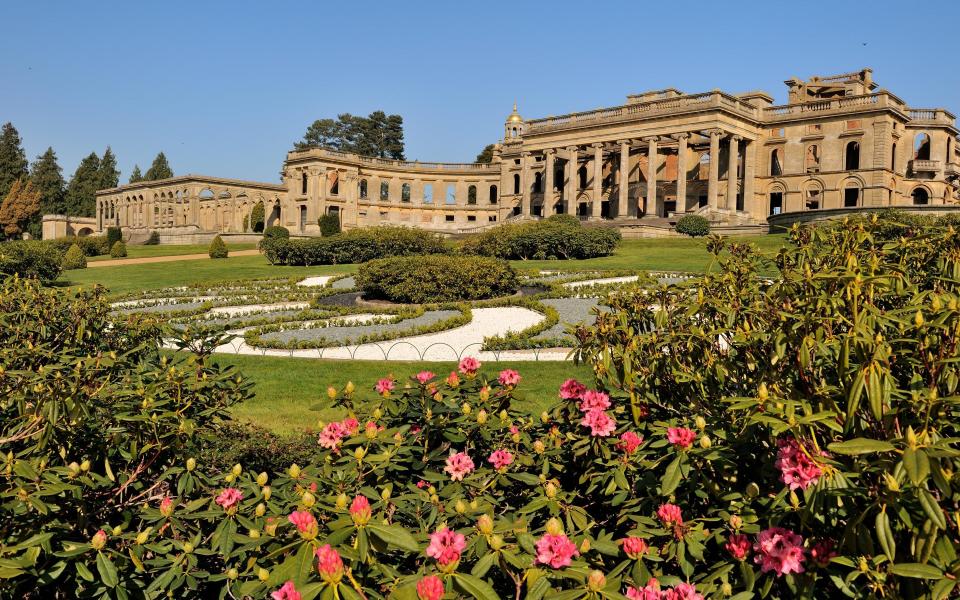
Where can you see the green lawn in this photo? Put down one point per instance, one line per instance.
(291, 393)
(138, 251)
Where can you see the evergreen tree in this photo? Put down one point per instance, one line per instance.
(47, 178)
(109, 174)
(486, 155)
(160, 169)
(13, 160)
(21, 204)
(378, 134)
(82, 190)
(135, 175)
(393, 138)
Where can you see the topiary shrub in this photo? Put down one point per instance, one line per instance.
(118, 250)
(92, 245)
(74, 258)
(436, 278)
(329, 224)
(217, 248)
(31, 259)
(153, 240)
(693, 225)
(556, 238)
(257, 217)
(114, 235)
(276, 232)
(353, 246)
(564, 219)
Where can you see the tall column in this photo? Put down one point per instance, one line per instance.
(652, 164)
(749, 165)
(525, 208)
(714, 178)
(730, 201)
(682, 172)
(548, 186)
(623, 201)
(597, 180)
(570, 191)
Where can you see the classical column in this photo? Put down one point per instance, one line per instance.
(525, 184)
(652, 163)
(570, 191)
(597, 181)
(749, 165)
(730, 202)
(548, 187)
(623, 201)
(714, 178)
(682, 171)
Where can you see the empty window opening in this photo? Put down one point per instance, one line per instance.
(812, 161)
(363, 188)
(303, 184)
(428, 193)
(851, 197)
(451, 194)
(384, 191)
(493, 194)
(776, 203)
(582, 177)
(852, 156)
(776, 169)
(921, 147)
(920, 196)
(472, 194)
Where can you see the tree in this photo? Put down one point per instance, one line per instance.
(47, 178)
(257, 216)
(377, 134)
(160, 169)
(135, 175)
(13, 160)
(393, 140)
(486, 155)
(21, 204)
(82, 190)
(109, 175)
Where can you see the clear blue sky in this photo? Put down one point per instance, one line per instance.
(225, 88)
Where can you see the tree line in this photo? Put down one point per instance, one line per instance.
(31, 190)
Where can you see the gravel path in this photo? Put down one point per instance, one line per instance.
(337, 332)
(318, 281)
(576, 284)
(347, 283)
(249, 309)
(119, 262)
(572, 311)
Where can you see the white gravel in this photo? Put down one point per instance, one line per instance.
(576, 284)
(318, 281)
(160, 301)
(248, 309)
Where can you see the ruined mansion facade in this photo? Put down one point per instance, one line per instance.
(840, 142)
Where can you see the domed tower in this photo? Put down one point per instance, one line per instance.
(514, 126)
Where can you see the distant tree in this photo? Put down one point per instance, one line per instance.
(160, 169)
(135, 175)
(378, 134)
(257, 216)
(21, 204)
(13, 160)
(393, 141)
(47, 178)
(486, 155)
(82, 189)
(109, 174)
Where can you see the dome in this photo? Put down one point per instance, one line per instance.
(514, 117)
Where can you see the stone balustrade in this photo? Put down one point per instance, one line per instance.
(391, 163)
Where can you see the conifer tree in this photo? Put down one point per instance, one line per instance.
(13, 159)
(82, 190)
(47, 178)
(109, 175)
(20, 205)
(160, 169)
(135, 175)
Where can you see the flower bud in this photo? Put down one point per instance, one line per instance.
(466, 408)
(545, 417)
(554, 527)
(232, 574)
(229, 477)
(700, 422)
(911, 438)
(762, 393)
(481, 417)
(736, 521)
(864, 566)
(187, 548)
(585, 545)
(342, 501)
(308, 499)
(385, 493)
(794, 500)
(331, 392)
(726, 589)
(261, 509)
(267, 492)
(254, 534)
(504, 415)
(596, 580)
(74, 469)
(359, 453)
(117, 530)
(484, 393)
(705, 442)
(377, 413)
(538, 447)
(143, 536)
(263, 574)
(485, 524)
(294, 471)
(918, 319)
(237, 470)
(460, 506)
(434, 498)
(350, 387)
(191, 464)
(753, 490)
(550, 490)
(262, 479)
(496, 542)
(85, 466)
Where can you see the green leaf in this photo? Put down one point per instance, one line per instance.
(916, 570)
(917, 465)
(395, 536)
(671, 478)
(107, 571)
(885, 535)
(860, 446)
(476, 587)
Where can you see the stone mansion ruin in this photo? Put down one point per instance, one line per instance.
(840, 143)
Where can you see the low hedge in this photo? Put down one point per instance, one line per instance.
(354, 246)
(31, 259)
(92, 245)
(693, 225)
(118, 250)
(436, 278)
(74, 258)
(561, 238)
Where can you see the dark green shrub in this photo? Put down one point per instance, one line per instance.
(693, 225)
(92, 245)
(217, 248)
(31, 259)
(329, 224)
(561, 238)
(257, 449)
(153, 240)
(257, 216)
(436, 278)
(118, 250)
(353, 246)
(114, 235)
(74, 259)
(564, 219)
(276, 232)
(246, 223)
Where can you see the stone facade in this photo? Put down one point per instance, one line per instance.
(839, 142)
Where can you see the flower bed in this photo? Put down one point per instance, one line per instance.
(436, 278)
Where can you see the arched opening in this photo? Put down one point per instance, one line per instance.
(493, 194)
(582, 177)
(451, 196)
(851, 195)
(812, 160)
(405, 192)
(334, 179)
(362, 188)
(920, 196)
(558, 178)
(703, 173)
(893, 157)
(921, 147)
(472, 194)
(303, 184)
(776, 166)
(516, 183)
(303, 216)
(852, 156)
(274, 217)
(428, 193)
(84, 232)
(206, 194)
(384, 191)
(538, 183)
(776, 201)
(813, 196)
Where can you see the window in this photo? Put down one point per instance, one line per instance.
(516, 183)
(449, 218)
(704, 172)
(472, 194)
(384, 191)
(493, 218)
(493, 194)
(852, 156)
(558, 178)
(814, 128)
(921, 147)
(428, 193)
(538, 183)
(701, 201)
(303, 216)
(813, 199)
(405, 192)
(851, 197)
(893, 158)
(334, 184)
(775, 165)
(451, 194)
(363, 188)
(582, 177)
(471, 218)
(812, 161)
(776, 203)
(920, 196)
(303, 184)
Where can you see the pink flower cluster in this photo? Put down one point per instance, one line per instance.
(424, 376)
(652, 591)
(629, 442)
(500, 459)
(738, 545)
(670, 515)
(779, 550)
(797, 469)
(556, 550)
(572, 389)
(509, 378)
(446, 546)
(634, 547)
(286, 592)
(305, 522)
(459, 465)
(469, 366)
(681, 437)
(430, 588)
(593, 405)
(229, 498)
(329, 564)
(385, 386)
(333, 433)
(360, 510)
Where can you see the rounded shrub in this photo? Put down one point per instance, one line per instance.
(74, 258)
(31, 259)
(693, 225)
(114, 235)
(329, 225)
(153, 240)
(276, 232)
(436, 278)
(562, 237)
(217, 248)
(118, 250)
(564, 219)
(353, 246)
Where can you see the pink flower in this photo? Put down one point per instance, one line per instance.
(287, 592)
(99, 540)
(430, 588)
(446, 546)
(469, 366)
(670, 514)
(630, 441)
(600, 423)
(229, 498)
(305, 522)
(797, 469)
(424, 376)
(683, 591)
(822, 552)
(166, 506)
(452, 379)
(681, 437)
(384, 386)
(500, 459)
(651, 591)
(459, 465)
(738, 546)
(572, 389)
(509, 377)
(634, 547)
(360, 510)
(329, 564)
(594, 400)
(779, 550)
(332, 434)
(351, 425)
(421, 484)
(556, 550)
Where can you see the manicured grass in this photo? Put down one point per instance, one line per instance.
(139, 251)
(291, 393)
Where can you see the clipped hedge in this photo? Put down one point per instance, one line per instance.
(693, 225)
(92, 245)
(276, 232)
(436, 278)
(353, 246)
(74, 259)
(217, 248)
(31, 259)
(329, 225)
(553, 238)
(118, 250)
